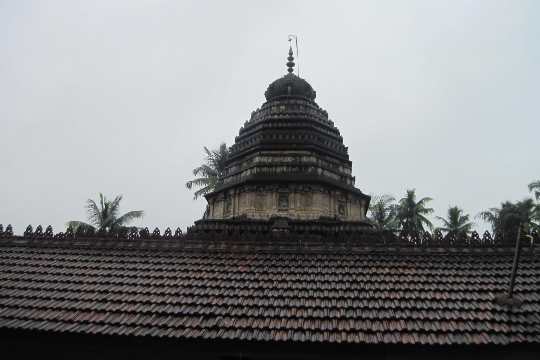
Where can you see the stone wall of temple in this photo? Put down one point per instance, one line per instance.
(302, 202)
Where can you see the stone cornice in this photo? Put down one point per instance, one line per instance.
(287, 179)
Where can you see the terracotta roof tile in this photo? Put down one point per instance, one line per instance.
(364, 296)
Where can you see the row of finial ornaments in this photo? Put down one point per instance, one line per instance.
(124, 233)
(375, 238)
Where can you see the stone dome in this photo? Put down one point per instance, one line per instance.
(290, 85)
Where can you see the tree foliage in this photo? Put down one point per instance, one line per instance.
(456, 222)
(412, 214)
(104, 216)
(534, 187)
(209, 173)
(506, 218)
(383, 212)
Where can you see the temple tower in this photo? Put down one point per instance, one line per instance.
(288, 161)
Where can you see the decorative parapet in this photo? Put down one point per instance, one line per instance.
(124, 234)
(323, 235)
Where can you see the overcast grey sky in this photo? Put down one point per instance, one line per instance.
(120, 97)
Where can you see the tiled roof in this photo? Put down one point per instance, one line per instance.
(228, 291)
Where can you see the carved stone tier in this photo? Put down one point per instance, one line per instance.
(295, 199)
(290, 122)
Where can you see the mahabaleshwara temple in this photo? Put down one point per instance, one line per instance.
(284, 265)
(288, 165)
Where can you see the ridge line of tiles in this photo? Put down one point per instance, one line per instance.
(325, 303)
(195, 292)
(387, 280)
(509, 316)
(347, 294)
(225, 323)
(308, 336)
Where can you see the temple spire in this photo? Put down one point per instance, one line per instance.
(290, 63)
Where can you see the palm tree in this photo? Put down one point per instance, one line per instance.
(456, 222)
(411, 214)
(535, 187)
(105, 216)
(209, 173)
(493, 216)
(506, 218)
(527, 211)
(383, 211)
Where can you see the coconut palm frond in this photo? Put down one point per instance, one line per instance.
(108, 222)
(445, 222)
(201, 192)
(411, 213)
(463, 219)
(94, 213)
(382, 212)
(75, 225)
(198, 182)
(208, 152)
(422, 202)
(219, 159)
(210, 172)
(534, 187)
(105, 216)
(102, 201)
(128, 217)
(489, 215)
(456, 221)
(422, 220)
(115, 205)
(509, 216)
(205, 170)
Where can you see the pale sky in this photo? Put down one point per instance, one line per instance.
(120, 97)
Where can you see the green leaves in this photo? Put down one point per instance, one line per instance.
(408, 214)
(509, 215)
(75, 225)
(94, 214)
(382, 212)
(534, 187)
(105, 215)
(127, 218)
(209, 173)
(456, 222)
(412, 214)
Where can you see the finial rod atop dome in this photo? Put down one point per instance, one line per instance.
(290, 63)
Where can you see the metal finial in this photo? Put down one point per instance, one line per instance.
(290, 63)
(291, 37)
